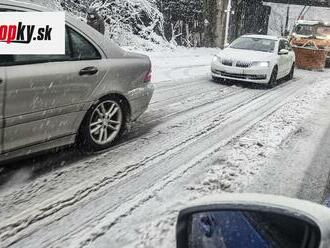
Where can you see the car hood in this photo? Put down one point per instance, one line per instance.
(238, 54)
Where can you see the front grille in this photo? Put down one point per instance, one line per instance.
(227, 62)
(240, 76)
(232, 75)
(243, 64)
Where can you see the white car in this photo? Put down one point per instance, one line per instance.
(255, 58)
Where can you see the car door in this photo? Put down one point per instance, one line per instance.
(291, 56)
(282, 60)
(45, 94)
(2, 94)
(3, 62)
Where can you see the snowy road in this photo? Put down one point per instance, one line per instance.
(189, 142)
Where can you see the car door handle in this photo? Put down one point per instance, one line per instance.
(89, 71)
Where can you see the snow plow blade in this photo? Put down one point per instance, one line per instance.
(310, 58)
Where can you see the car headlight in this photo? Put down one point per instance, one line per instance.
(216, 58)
(261, 64)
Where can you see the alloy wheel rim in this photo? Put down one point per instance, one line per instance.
(106, 122)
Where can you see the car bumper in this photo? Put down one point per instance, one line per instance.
(139, 100)
(254, 74)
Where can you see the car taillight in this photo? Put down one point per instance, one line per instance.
(148, 76)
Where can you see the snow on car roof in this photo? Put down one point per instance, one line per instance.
(307, 22)
(270, 37)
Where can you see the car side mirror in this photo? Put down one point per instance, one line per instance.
(226, 45)
(283, 52)
(247, 225)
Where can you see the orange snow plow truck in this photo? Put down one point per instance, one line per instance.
(311, 42)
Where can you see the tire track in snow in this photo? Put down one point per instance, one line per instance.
(178, 95)
(77, 194)
(134, 137)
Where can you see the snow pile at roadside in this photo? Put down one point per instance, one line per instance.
(134, 42)
(234, 166)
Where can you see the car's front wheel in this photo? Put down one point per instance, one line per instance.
(217, 79)
(291, 74)
(103, 125)
(273, 78)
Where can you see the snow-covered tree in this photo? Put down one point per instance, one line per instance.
(128, 21)
(184, 22)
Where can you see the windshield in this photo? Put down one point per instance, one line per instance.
(313, 30)
(255, 44)
(306, 30)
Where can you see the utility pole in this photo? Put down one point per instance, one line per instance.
(286, 30)
(228, 11)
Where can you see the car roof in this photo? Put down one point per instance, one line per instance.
(309, 23)
(270, 37)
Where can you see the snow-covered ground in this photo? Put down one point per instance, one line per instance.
(197, 137)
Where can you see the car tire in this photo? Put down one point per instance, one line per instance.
(217, 79)
(103, 125)
(273, 78)
(291, 74)
(327, 64)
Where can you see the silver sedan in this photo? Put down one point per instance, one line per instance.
(87, 96)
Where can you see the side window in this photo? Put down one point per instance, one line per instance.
(76, 48)
(288, 46)
(281, 45)
(8, 10)
(6, 60)
(82, 49)
(32, 59)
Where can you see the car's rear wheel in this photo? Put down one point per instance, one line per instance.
(104, 123)
(273, 78)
